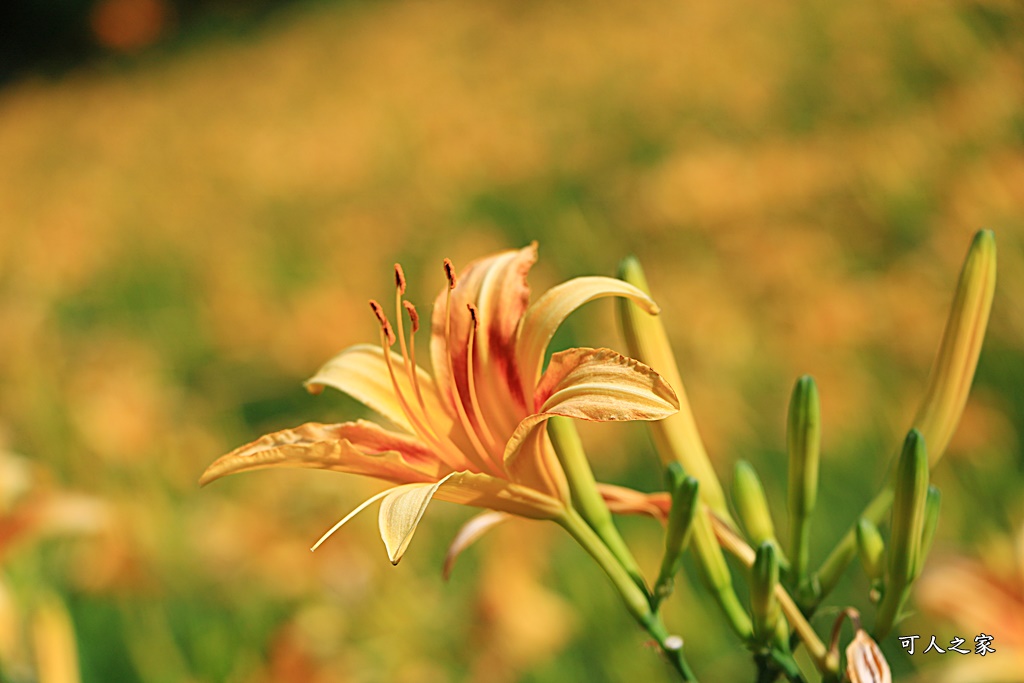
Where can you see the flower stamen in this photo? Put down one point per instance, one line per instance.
(422, 430)
(474, 402)
(460, 408)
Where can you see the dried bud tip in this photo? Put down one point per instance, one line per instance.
(399, 278)
(472, 315)
(449, 271)
(414, 317)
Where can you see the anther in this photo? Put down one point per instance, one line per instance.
(472, 314)
(399, 278)
(378, 311)
(414, 317)
(383, 319)
(449, 271)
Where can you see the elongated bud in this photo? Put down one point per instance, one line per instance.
(933, 501)
(685, 499)
(714, 572)
(764, 607)
(871, 549)
(907, 527)
(803, 437)
(865, 662)
(751, 506)
(676, 437)
(953, 371)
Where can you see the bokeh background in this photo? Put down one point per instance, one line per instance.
(197, 199)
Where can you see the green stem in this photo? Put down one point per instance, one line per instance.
(635, 599)
(585, 496)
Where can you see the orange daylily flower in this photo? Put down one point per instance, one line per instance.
(473, 432)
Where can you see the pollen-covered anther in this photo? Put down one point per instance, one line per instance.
(385, 326)
(414, 317)
(400, 278)
(472, 315)
(449, 271)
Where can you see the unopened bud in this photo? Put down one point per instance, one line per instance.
(871, 549)
(751, 506)
(764, 607)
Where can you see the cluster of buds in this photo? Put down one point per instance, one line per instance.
(785, 591)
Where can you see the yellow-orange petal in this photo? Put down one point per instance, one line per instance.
(403, 507)
(545, 315)
(355, 447)
(400, 513)
(496, 286)
(361, 372)
(470, 532)
(599, 385)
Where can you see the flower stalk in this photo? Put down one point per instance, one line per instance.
(635, 599)
(585, 496)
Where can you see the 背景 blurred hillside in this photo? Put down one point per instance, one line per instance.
(187, 231)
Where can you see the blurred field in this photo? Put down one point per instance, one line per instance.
(186, 234)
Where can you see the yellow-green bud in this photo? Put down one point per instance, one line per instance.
(907, 526)
(803, 438)
(933, 502)
(764, 607)
(950, 379)
(676, 437)
(751, 506)
(685, 500)
(871, 549)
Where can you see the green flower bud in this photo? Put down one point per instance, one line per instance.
(933, 502)
(803, 438)
(685, 500)
(751, 506)
(908, 513)
(764, 607)
(871, 549)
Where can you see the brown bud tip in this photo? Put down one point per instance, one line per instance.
(400, 278)
(414, 317)
(472, 315)
(449, 271)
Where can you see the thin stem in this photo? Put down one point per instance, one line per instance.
(585, 496)
(745, 554)
(635, 599)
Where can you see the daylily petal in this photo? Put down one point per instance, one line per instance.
(468, 535)
(361, 372)
(483, 490)
(544, 316)
(400, 514)
(496, 285)
(626, 501)
(533, 462)
(599, 385)
(402, 509)
(355, 447)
